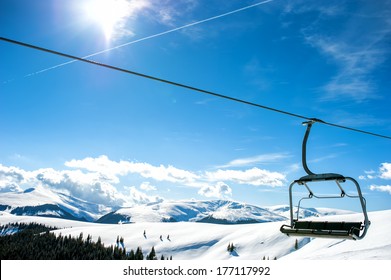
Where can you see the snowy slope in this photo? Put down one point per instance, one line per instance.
(48, 203)
(217, 211)
(205, 241)
(376, 244)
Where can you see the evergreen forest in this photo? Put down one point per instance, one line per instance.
(20, 241)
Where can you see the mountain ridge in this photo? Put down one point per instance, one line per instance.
(206, 211)
(49, 203)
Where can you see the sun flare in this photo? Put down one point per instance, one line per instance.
(108, 14)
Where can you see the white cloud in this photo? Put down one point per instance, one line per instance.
(137, 197)
(355, 62)
(253, 176)
(116, 17)
(294, 168)
(146, 186)
(92, 186)
(161, 173)
(385, 171)
(12, 173)
(357, 48)
(98, 180)
(11, 179)
(259, 159)
(9, 187)
(220, 190)
(113, 169)
(386, 188)
(371, 174)
(319, 159)
(102, 165)
(168, 12)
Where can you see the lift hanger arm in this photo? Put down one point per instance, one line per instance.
(304, 145)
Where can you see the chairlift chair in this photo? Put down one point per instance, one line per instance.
(326, 229)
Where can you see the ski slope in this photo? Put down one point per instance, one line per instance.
(205, 241)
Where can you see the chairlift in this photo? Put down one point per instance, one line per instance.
(325, 229)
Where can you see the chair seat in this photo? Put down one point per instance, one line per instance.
(345, 230)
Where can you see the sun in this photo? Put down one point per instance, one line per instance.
(109, 15)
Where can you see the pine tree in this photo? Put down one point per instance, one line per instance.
(116, 253)
(80, 239)
(139, 254)
(121, 242)
(152, 254)
(296, 245)
(230, 247)
(131, 255)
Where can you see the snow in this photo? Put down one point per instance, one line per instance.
(35, 197)
(205, 241)
(30, 197)
(202, 229)
(376, 244)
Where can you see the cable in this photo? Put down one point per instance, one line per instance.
(154, 36)
(188, 87)
(150, 77)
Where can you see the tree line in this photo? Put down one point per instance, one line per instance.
(20, 241)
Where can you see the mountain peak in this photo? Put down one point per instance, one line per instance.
(41, 201)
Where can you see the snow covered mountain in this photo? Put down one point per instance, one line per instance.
(216, 211)
(47, 203)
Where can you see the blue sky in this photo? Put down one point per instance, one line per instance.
(119, 139)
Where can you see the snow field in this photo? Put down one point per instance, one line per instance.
(204, 241)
